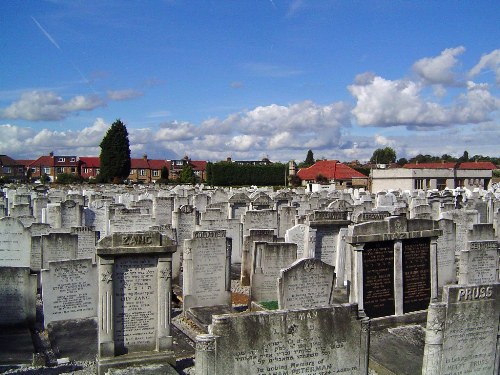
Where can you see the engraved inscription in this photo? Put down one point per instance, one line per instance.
(416, 274)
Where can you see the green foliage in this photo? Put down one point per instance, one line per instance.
(496, 173)
(164, 173)
(402, 161)
(363, 170)
(385, 155)
(309, 160)
(45, 179)
(115, 154)
(187, 175)
(269, 305)
(231, 174)
(464, 157)
(68, 178)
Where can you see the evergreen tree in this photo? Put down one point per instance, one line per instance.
(115, 154)
(309, 158)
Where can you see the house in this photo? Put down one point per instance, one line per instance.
(90, 167)
(199, 168)
(333, 172)
(52, 166)
(439, 175)
(11, 170)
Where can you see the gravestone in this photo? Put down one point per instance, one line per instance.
(260, 219)
(286, 219)
(306, 284)
(447, 268)
(58, 246)
(207, 270)
(479, 263)
(97, 216)
(267, 261)
(327, 340)
(233, 227)
(69, 290)
(135, 275)
(37, 230)
(71, 214)
(17, 296)
(87, 240)
(394, 265)
(462, 331)
(304, 237)
(162, 210)
(256, 235)
(52, 215)
(15, 243)
(184, 221)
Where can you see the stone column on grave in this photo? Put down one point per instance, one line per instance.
(434, 270)
(398, 277)
(364, 344)
(340, 261)
(356, 293)
(164, 338)
(105, 314)
(229, 250)
(205, 355)
(436, 316)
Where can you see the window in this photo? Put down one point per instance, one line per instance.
(142, 172)
(86, 170)
(33, 169)
(61, 160)
(419, 183)
(73, 159)
(7, 170)
(20, 169)
(97, 170)
(156, 173)
(46, 170)
(59, 170)
(179, 162)
(132, 171)
(73, 169)
(441, 183)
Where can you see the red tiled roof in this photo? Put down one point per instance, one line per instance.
(477, 165)
(199, 165)
(438, 165)
(157, 164)
(8, 161)
(24, 162)
(91, 161)
(45, 161)
(139, 163)
(331, 169)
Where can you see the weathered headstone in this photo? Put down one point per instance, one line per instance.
(305, 284)
(15, 243)
(305, 238)
(69, 290)
(462, 331)
(58, 246)
(479, 263)
(207, 266)
(327, 340)
(17, 296)
(135, 273)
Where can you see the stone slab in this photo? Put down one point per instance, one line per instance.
(68, 337)
(202, 316)
(21, 352)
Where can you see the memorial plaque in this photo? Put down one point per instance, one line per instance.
(326, 244)
(328, 340)
(135, 303)
(378, 279)
(69, 290)
(58, 246)
(416, 274)
(17, 296)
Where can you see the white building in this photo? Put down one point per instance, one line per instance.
(428, 176)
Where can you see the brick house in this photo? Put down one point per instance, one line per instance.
(52, 166)
(90, 167)
(11, 169)
(334, 172)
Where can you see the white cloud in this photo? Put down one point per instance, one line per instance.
(176, 131)
(48, 106)
(384, 141)
(386, 103)
(439, 69)
(488, 61)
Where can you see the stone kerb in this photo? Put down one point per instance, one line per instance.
(394, 265)
(327, 340)
(462, 331)
(306, 283)
(135, 274)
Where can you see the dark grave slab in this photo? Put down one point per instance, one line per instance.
(202, 316)
(416, 274)
(160, 369)
(74, 339)
(378, 279)
(16, 346)
(397, 350)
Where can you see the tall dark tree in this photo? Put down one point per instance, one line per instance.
(115, 154)
(187, 175)
(309, 158)
(385, 155)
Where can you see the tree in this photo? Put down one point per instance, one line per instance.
(187, 175)
(464, 157)
(115, 154)
(163, 176)
(402, 161)
(309, 159)
(45, 179)
(320, 179)
(383, 156)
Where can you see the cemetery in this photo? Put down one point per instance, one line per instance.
(147, 279)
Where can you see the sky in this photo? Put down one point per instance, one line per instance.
(250, 79)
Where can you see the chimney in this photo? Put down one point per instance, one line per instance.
(51, 153)
(145, 156)
(229, 160)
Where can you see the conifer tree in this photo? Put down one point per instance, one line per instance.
(115, 154)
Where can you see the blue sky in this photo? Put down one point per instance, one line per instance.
(251, 79)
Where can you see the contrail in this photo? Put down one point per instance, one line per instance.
(46, 33)
(274, 5)
(52, 40)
